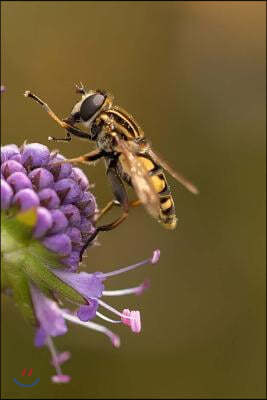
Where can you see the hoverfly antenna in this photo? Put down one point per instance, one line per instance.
(80, 88)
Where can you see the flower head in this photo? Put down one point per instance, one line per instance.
(48, 217)
(30, 179)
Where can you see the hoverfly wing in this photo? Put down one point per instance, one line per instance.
(179, 177)
(140, 179)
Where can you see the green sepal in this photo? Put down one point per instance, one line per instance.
(25, 259)
(18, 282)
(44, 278)
(17, 239)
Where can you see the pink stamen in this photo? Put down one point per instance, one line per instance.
(108, 307)
(132, 319)
(122, 292)
(126, 313)
(92, 325)
(144, 286)
(55, 357)
(156, 256)
(136, 322)
(61, 358)
(100, 315)
(154, 259)
(115, 339)
(60, 378)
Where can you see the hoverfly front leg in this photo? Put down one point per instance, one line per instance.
(70, 128)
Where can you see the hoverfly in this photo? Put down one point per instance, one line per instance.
(127, 154)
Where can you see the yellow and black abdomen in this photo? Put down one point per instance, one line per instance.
(167, 215)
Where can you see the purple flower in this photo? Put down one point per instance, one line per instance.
(35, 181)
(34, 155)
(6, 195)
(62, 220)
(41, 178)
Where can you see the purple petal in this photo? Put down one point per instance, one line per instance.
(35, 155)
(60, 222)
(59, 243)
(86, 200)
(90, 210)
(67, 190)
(48, 314)
(75, 236)
(26, 199)
(88, 285)
(40, 337)
(72, 261)
(11, 166)
(6, 195)
(86, 227)
(79, 176)
(18, 181)
(87, 312)
(59, 171)
(8, 151)
(49, 198)
(41, 178)
(44, 222)
(72, 213)
(16, 157)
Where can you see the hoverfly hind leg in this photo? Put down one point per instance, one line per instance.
(106, 209)
(121, 199)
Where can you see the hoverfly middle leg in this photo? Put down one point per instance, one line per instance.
(67, 138)
(87, 158)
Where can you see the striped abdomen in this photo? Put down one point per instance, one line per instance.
(167, 215)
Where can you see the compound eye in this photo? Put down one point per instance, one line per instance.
(91, 105)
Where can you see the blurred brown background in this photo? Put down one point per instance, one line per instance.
(193, 74)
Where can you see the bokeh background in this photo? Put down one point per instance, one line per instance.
(193, 74)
